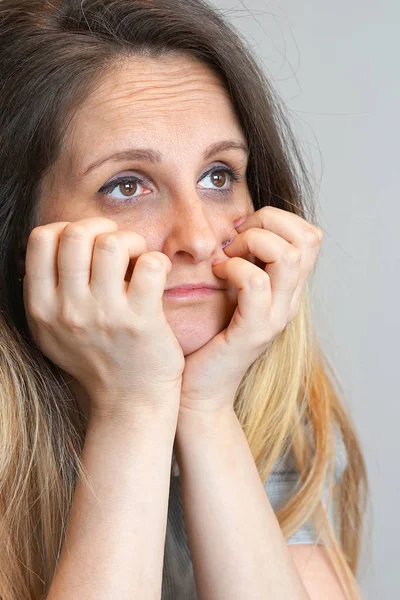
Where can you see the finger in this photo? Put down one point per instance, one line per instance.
(147, 285)
(287, 225)
(291, 228)
(254, 295)
(41, 275)
(282, 265)
(295, 230)
(112, 253)
(75, 254)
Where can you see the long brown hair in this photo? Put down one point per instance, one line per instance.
(51, 54)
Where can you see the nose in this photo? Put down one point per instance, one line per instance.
(198, 230)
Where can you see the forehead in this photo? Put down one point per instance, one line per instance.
(166, 101)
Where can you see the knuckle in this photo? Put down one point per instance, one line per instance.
(234, 263)
(137, 326)
(38, 314)
(113, 321)
(259, 281)
(320, 233)
(138, 240)
(311, 236)
(69, 318)
(75, 231)
(40, 234)
(151, 261)
(163, 258)
(107, 321)
(292, 256)
(248, 235)
(270, 208)
(107, 241)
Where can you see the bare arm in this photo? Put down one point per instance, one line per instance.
(114, 546)
(235, 541)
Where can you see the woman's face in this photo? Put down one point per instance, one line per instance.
(177, 108)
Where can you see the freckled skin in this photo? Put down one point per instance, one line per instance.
(177, 106)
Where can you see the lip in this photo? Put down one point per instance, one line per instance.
(190, 293)
(194, 286)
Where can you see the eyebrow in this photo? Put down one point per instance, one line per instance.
(153, 156)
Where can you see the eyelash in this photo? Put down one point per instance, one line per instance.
(233, 173)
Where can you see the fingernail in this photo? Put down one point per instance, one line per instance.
(216, 262)
(239, 221)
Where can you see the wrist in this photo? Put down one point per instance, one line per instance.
(135, 415)
(205, 422)
(203, 432)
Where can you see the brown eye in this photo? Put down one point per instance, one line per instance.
(218, 178)
(128, 188)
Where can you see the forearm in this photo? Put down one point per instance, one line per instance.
(115, 540)
(237, 547)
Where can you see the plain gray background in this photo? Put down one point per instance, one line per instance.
(336, 66)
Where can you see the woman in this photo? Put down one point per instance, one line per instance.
(160, 443)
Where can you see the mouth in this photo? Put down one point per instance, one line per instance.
(194, 286)
(184, 293)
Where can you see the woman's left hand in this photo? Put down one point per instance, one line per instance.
(269, 293)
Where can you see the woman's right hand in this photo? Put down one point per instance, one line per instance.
(111, 335)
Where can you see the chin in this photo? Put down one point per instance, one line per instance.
(196, 324)
(190, 344)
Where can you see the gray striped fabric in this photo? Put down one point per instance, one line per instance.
(178, 579)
